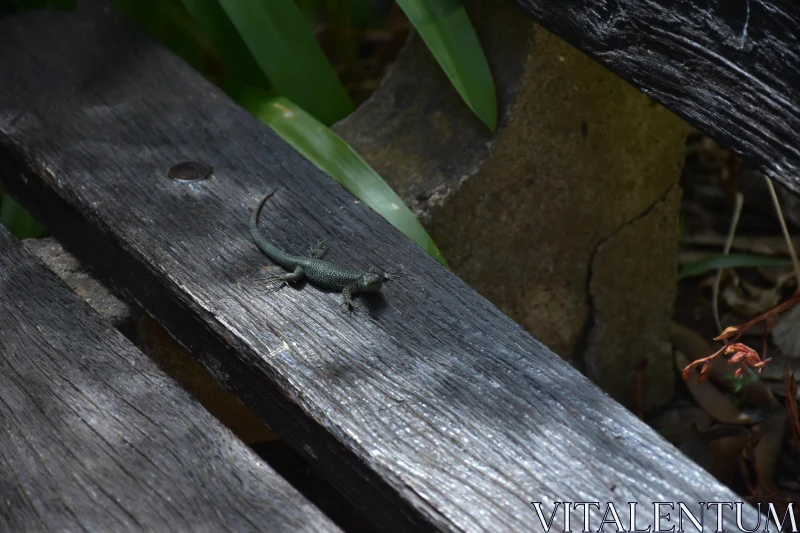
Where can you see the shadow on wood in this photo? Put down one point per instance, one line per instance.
(96, 438)
(565, 216)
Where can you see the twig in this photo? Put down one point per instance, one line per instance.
(741, 353)
(789, 243)
(737, 212)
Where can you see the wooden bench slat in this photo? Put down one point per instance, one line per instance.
(96, 438)
(732, 69)
(430, 409)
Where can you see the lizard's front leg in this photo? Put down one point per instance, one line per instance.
(319, 250)
(347, 299)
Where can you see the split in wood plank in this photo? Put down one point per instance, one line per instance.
(96, 438)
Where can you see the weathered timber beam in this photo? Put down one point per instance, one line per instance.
(429, 409)
(729, 67)
(96, 438)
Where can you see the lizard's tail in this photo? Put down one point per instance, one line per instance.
(257, 210)
(259, 239)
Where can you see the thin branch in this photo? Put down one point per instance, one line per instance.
(737, 212)
(789, 243)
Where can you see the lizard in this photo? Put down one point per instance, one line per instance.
(315, 269)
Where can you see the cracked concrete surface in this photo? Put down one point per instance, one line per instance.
(520, 213)
(628, 335)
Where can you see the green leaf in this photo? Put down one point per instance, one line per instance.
(18, 221)
(331, 154)
(169, 22)
(345, 21)
(716, 262)
(356, 14)
(448, 32)
(23, 5)
(240, 63)
(281, 41)
(309, 9)
(63, 5)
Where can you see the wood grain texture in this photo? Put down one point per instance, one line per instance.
(96, 438)
(429, 409)
(729, 67)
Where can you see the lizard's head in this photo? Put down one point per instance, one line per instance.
(372, 280)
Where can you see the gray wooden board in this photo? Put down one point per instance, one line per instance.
(729, 67)
(96, 438)
(429, 409)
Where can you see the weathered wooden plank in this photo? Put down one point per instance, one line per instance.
(96, 438)
(429, 409)
(729, 67)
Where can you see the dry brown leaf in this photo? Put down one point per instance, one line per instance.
(786, 333)
(749, 300)
(676, 422)
(695, 447)
(750, 388)
(710, 398)
(726, 445)
(769, 446)
(732, 321)
(780, 277)
(791, 405)
(756, 244)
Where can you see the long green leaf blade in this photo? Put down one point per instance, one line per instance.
(716, 262)
(331, 154)
(309, 9)
(18, 221)
(24, 5)
(445, 27)
(64, 5)
(169, 22)
(240, 63)
(281, 41)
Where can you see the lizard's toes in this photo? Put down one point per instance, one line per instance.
(349, 306)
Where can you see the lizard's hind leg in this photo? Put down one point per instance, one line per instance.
(278, 280)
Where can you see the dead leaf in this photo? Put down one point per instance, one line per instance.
(769, 446)
(749, 300)
(733, 321)
(710, 398)
(791, 405)
(780, 277)
(754, 244)
(786, 332)
(695, 446)
(748, 387)
(726, 445)
(675, 423)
